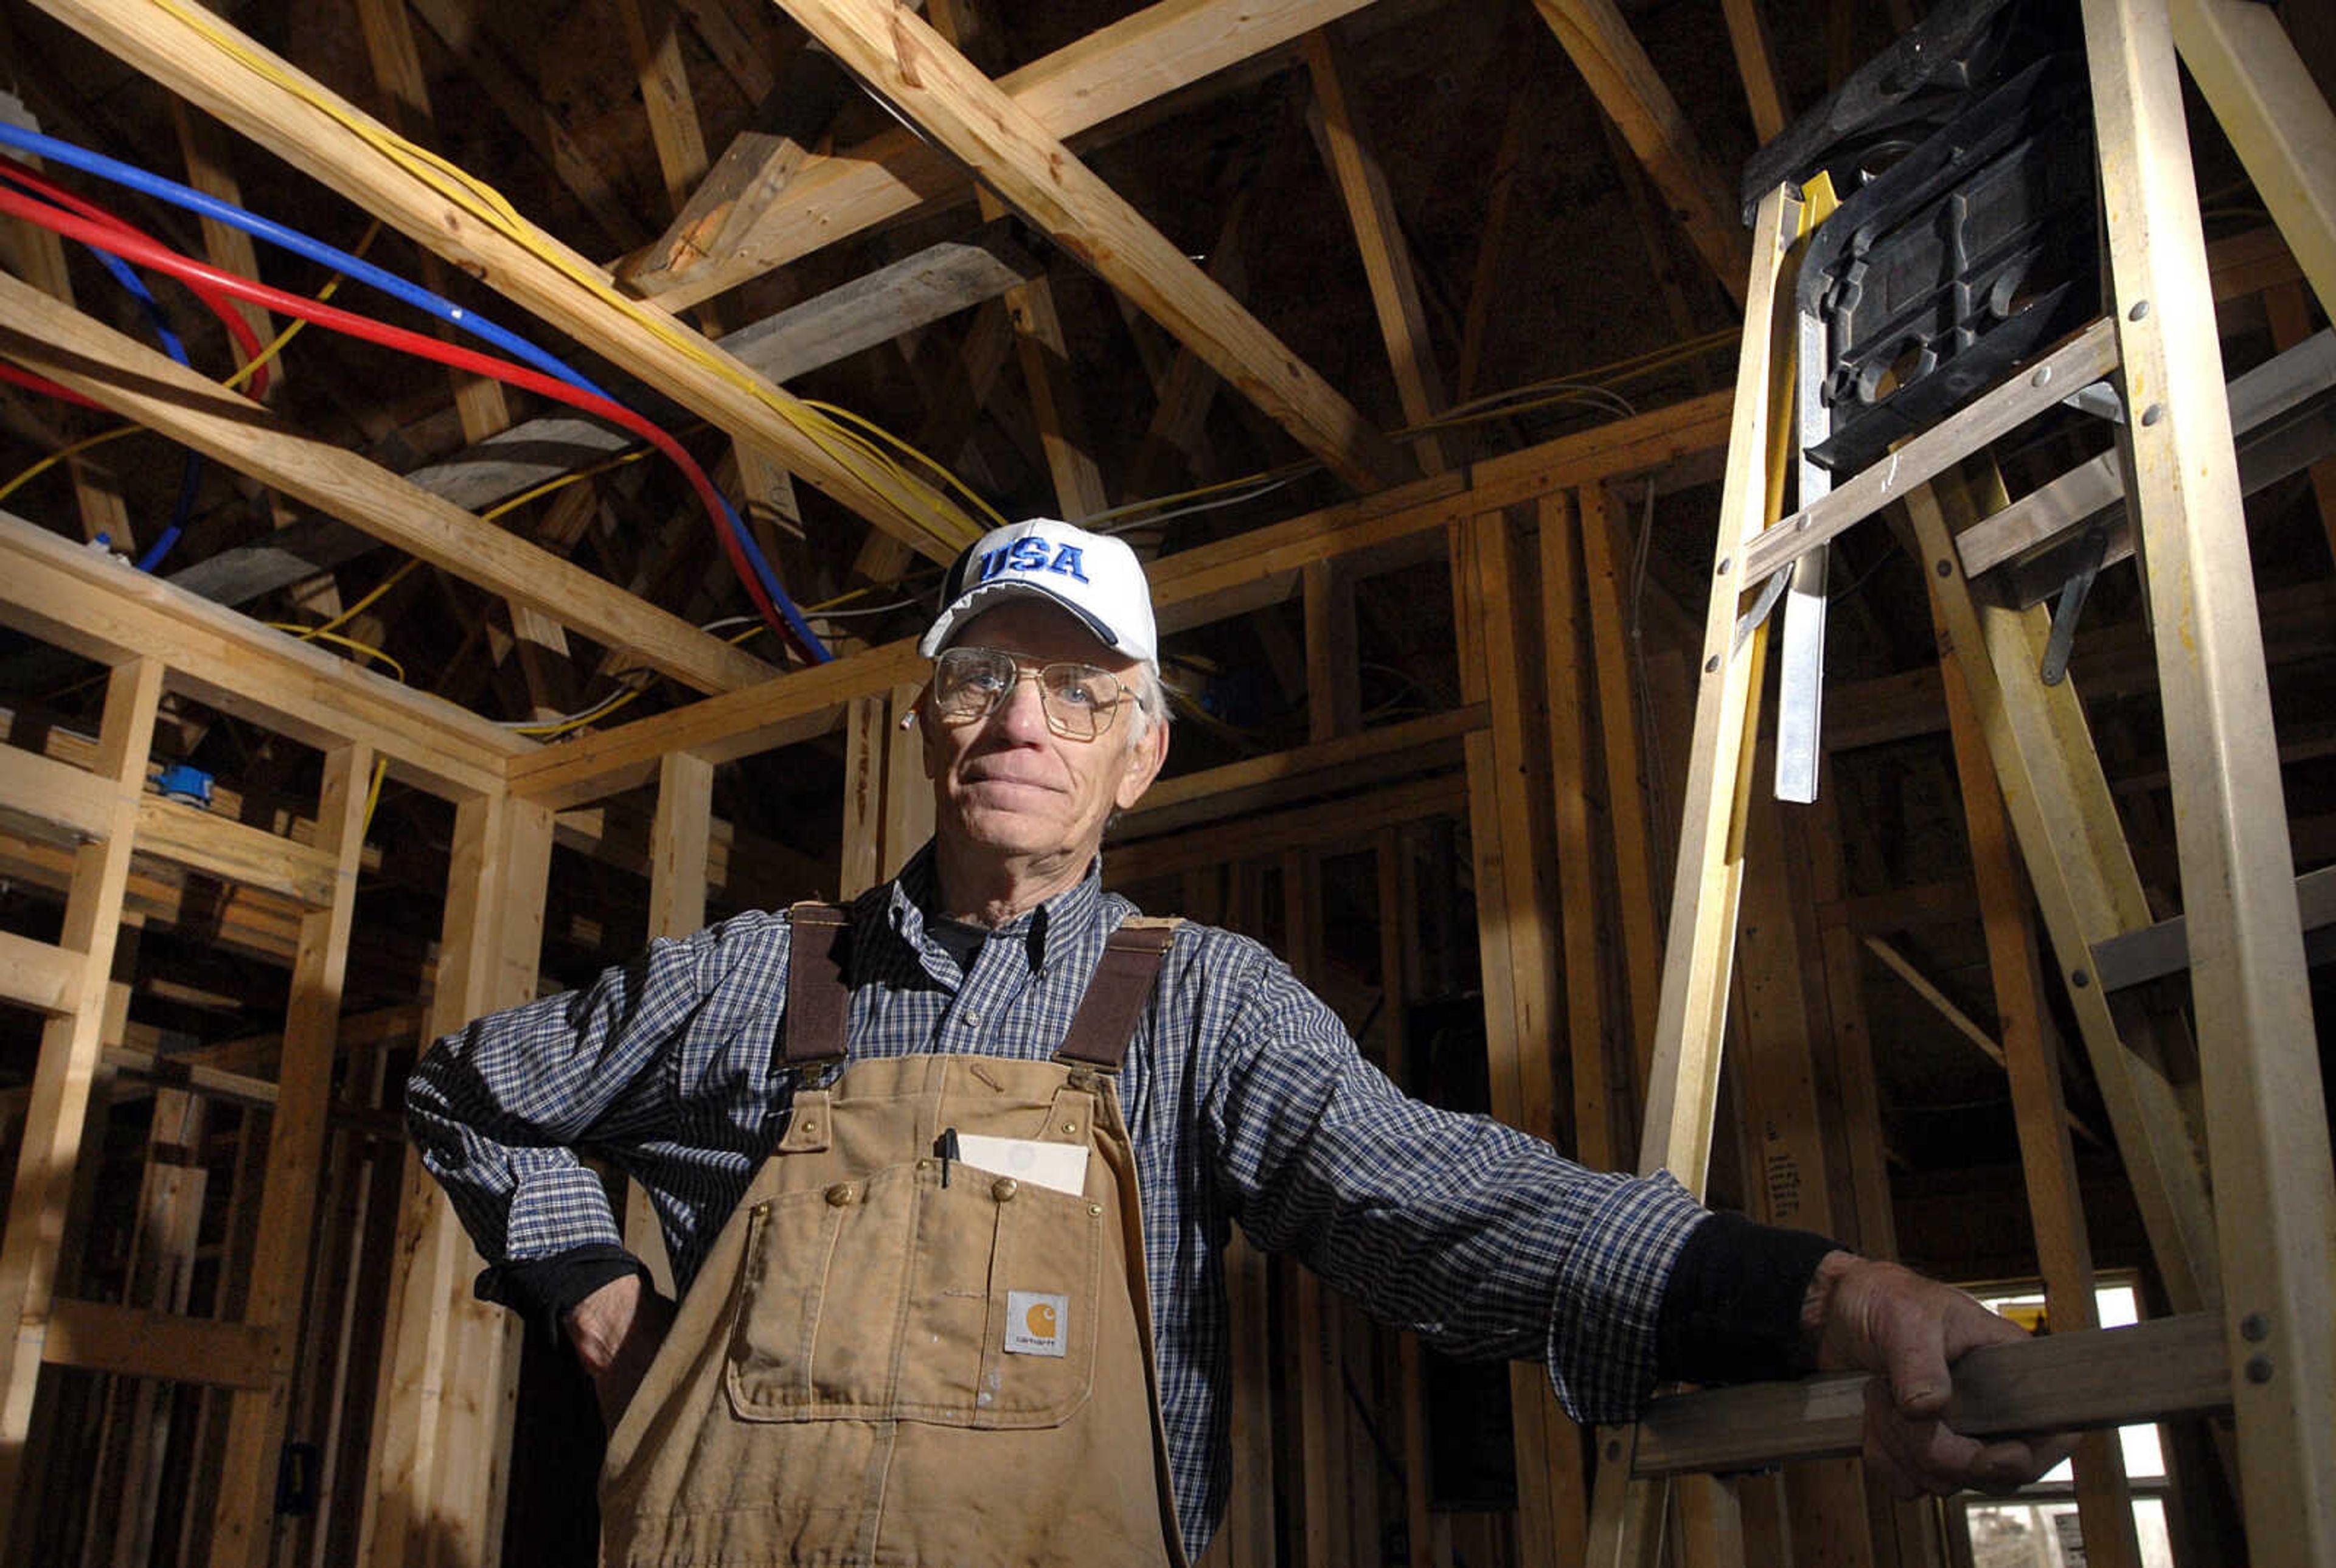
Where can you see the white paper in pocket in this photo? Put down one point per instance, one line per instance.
(1061, 1166)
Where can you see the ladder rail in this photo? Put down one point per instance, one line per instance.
(2263, 1094)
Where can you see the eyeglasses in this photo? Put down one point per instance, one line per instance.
(1079, 700)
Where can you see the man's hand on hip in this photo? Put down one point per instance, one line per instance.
(616, 1331)
(1868, 1316)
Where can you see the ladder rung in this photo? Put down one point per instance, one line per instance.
(2273, 388)
(2080, 362)
(2060, 1382)
(2154, 951)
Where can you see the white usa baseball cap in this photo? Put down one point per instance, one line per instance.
(1092, 575)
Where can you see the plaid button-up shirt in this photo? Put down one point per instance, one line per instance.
(1245, 1096)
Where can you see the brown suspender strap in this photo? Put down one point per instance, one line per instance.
(1106, 1022)
(818, 1001)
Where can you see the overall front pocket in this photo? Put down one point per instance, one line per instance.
(895, 1298)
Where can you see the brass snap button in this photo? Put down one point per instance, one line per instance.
(1004, 1188)
(839, 1194)
(811, 1129)
(1094, 1211)
(1070, 1126)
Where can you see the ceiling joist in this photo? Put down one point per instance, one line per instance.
(316, 130)
(142, 384)
(912, 67)
(914, 291)
(1387, 254)
(1611, 59)
(1139, 59)
(790, 121)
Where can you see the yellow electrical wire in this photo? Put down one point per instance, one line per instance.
(577, 721)
(490, 208)
(352, 644)
(292, 328)
(595, 713)
(885, 436)
(1584, 383)
(1483, 416)
(372, 795)
(561, 482)
(1154, 503)
(65, 455)
(383, 587)
(838, 602)
(1630, 368)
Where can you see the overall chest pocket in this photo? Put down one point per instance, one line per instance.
(893, 1297)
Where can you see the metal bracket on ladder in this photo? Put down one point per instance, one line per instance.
(2091, 551)
(1800, 675)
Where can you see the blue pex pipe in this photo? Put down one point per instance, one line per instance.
(770, 580)
(316, 250)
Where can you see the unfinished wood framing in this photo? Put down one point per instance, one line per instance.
(1789, 1177)
(1597, 1128)
(1116, 69)
(1627, 810)
(442, 1416)
(39, 257)
(68, 1061)
(1049, 377)
(79, 351)
(541, 641)
(1510, 836)
(162, 638)
(1601, 45)
(1387, 254)
(309, 125)
(680, 839)
(1515, 776)
(911, 66)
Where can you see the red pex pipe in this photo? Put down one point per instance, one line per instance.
(133, 247)
(41, 383)
(238, 327)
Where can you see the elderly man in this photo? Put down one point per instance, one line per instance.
(947, 1176)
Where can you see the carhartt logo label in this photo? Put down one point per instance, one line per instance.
(1037, 1323)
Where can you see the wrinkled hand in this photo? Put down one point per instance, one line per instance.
(616, 1331)
(1874, 1317)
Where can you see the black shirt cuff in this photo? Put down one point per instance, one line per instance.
(542, 1290)
(1731, 1310)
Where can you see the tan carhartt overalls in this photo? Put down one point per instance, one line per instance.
(890, 1357)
